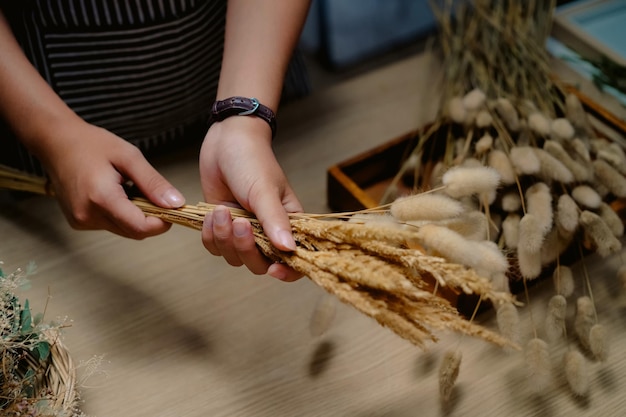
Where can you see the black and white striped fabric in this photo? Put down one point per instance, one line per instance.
(147, 70)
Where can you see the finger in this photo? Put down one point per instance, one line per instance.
(283, 272)
(207, 235)
(275, 222)
(126, 219)
(245, 245)
(223, 235)
(152, 184)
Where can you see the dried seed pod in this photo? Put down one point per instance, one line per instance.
(457, 110)
(508, 321)
(562, 129)
(567, 213)
(597, 231)
(509, 115)
(599, 342)
(425, 206)
(499, 161)
(462, 181)
(585, 318)
(511, 202)
(554, 244)
(448, 373)
(551, 169)
(586, 197)
(576, 372)
(612, 219)
(484, 144)
(575, 112)
(531, 233)
(581, 149)
(539, 123)
(610, 178)
(510, 230)
(538, 364)
(483, 119)
(525, 160)
(539, 204)
(474, 100)
(579, 171)
(555, 318)
(563, 280)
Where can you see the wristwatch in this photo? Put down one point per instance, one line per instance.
(242, 106)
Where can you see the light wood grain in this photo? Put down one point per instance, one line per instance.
(184, 334)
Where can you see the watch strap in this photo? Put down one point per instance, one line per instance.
(242, 106)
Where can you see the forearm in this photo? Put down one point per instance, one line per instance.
(27, 103)
(259, 41)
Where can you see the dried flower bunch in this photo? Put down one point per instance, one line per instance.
(37, 377)
(370, 260)
(505, 119)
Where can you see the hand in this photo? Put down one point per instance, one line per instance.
(238, 169)
(87, 166)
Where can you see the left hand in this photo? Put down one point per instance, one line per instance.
(238, 169)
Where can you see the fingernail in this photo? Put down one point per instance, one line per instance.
(286, 239)
(220, 215)
(239, 228)
(275, 272)
(173, 198)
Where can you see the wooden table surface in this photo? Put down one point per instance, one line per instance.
(181, 333)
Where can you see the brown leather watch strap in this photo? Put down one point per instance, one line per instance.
(242, 106)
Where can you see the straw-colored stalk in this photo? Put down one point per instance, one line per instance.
(370, 266)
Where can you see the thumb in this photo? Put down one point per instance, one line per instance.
(272, 215)
(152, 184)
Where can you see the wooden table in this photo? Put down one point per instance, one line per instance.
(181, 333)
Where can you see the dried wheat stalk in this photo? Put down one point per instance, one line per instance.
(369, 265)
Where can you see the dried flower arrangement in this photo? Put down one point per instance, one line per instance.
(505, 119)
(38, 376)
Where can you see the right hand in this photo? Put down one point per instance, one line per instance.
(88, 166)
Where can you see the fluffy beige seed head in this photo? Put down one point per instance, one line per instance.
(508, 321)
(576, 372)
(555, 318)
(490, 258)
(531, 233)
(507, 112)
(539, 204)
(612, 219)
(525, 160)
(610, 178)
(462, 181)
(539, 124)
(511, 202)
(585, 318)
(448, 373)
(484, 144)
(457, 110)
(474, 100)
(563, 278)
(449, 244)
(499, 161)
(579, 171)
(562, 129)
(567, 213)
(599, 342)
(586, 196)
(510, 230)
(598, 232)
(551, 169)
(581, 149)
(538, 365)
(575, 112)
(425, 206)
(483, 119)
